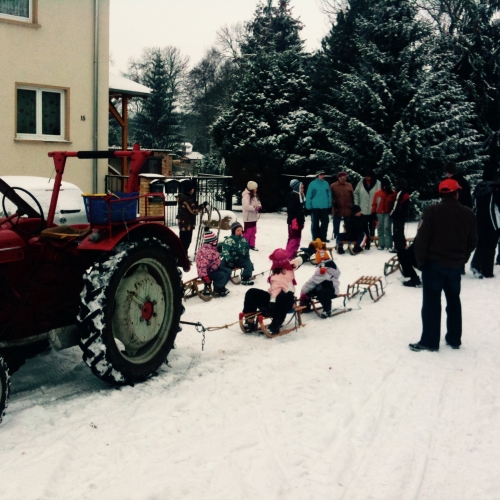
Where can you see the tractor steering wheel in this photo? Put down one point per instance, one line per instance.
(23, 208)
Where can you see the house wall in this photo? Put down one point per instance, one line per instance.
(58, 51)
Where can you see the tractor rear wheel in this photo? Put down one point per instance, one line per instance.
(130, 311)
(4, 387)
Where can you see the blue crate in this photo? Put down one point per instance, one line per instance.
(119, 209)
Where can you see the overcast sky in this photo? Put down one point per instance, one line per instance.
(191, 25)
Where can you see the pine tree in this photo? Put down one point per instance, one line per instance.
(156, 123)
(393, 109)
(267, 128)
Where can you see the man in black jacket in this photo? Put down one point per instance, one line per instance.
(444, 243)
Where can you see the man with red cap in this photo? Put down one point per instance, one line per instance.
(444, 243)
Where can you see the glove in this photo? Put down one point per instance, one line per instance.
(258, 209)
(295, 224)
(206, 279)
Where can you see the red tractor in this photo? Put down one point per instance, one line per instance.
(113, 286)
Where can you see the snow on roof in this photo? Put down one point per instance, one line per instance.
(194, 156)
(120, 84)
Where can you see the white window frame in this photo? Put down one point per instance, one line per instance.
(38, 136)
(21, 19)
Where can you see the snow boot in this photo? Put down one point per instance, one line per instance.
(477, 273)
(413, 282)
(419, 347)
(274, 328)
(206, 291)
(340, 249)
(221, 292)
(250, 325)
(326, 314)
(247, 282)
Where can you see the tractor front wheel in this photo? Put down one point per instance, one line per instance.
(4, 387)
(130, 311)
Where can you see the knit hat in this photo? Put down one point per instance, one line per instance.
(449, 186)
(280, 260)
(234, 226)
(251, 185)
(355, 209)
(341, 174)
(318, 244)
(295, 185)
(209, 236)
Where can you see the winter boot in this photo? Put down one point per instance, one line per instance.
(326, 313)
(206, 291)
(221, 292)
(477, 273)
(250, 325)
(247, 282)
(355, 249)
(340, 249)
(274, 328)
(413, 282)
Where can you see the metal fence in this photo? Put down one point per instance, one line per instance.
(214, 189)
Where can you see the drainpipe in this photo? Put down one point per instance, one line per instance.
(95, 169)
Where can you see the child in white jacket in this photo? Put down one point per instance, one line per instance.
(324, 284)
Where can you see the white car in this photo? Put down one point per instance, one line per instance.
(70, 207)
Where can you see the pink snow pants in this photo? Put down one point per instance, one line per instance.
(293, 243)
(249, 232)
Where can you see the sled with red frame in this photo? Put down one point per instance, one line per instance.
(262, 323)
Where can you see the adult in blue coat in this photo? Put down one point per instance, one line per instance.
(319, 203)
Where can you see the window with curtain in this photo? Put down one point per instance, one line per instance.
(21, 10)
(40, 113)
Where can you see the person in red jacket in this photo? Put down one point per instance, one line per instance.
(382, 204)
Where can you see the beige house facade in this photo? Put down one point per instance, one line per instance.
(54, 85)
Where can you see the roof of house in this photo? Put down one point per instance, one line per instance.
(194, 156)
(121, 85)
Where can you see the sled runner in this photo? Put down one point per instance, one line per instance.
(261, 323)
(391, 266)
(318, 308)
(198, 287)
(372, 284)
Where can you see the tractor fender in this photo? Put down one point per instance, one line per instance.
(135, 232)
(11, 246)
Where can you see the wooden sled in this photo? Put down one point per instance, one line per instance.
(318, 308)
(236, 276)
(262, 326)
(391, 266)
(195, 287)
(371, 283)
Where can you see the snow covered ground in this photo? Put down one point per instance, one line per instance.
(340, 409)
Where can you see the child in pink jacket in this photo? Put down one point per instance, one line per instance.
(279, 299)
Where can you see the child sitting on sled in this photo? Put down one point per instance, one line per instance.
(279, 299)
(324, 284)
(208, 266)
(356, 231)
(235, 253)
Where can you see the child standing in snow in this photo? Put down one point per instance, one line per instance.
(208, 266)
(279, 299)
(324, 284)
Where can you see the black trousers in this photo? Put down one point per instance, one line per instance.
(324, 294)
(398, 234)
(258, 300)
(186, 237)
(408, 262)
(320, 218)
(484, 256)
